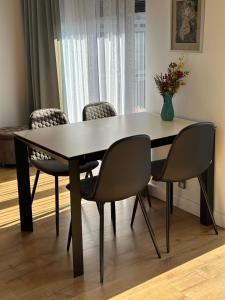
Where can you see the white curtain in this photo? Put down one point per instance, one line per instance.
(98, 54)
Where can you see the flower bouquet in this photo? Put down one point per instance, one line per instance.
(168, 85)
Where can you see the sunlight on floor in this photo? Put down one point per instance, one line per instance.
(44, 202)
(199, 278)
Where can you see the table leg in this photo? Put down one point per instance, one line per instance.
(75, 199)
(208, 179)
(171, 198)
(23, 182)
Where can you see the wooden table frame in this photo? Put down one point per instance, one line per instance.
(122, 126)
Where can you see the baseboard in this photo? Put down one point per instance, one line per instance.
(184, 203)
(220, 219)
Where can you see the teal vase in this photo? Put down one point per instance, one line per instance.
(167, 112)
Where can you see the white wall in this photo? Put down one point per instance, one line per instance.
(13, 97)
(203, 98)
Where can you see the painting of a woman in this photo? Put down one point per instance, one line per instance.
(186, 24)
(187, 21)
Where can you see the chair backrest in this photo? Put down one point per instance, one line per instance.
(191, 152)
(125, 170)
(98, 110)
(46, 117)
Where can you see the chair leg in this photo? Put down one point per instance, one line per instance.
(69, 237)
(101, 253)
(171, 198)
(148, 196)
(207, 203)
(134, 211)
(88, 174)
(57, 204)
(113, 216)
(35, 185)
(168, 194)
(152, 234)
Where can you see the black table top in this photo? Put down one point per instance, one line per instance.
(73, 140)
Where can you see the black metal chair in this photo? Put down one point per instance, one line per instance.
(190, 155)
(47, 118)
(124, 172)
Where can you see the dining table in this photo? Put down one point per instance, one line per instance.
(69, 144)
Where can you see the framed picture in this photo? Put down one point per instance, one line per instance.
(187, 20)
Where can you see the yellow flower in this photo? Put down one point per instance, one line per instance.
(180, 64)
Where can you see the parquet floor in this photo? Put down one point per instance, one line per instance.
(37, 266)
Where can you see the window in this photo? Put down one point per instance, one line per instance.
(103, 55)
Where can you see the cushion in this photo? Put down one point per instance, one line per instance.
(7, 133)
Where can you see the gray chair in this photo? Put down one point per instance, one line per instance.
(98, 110)
(47, 118)
(124, 172)
(92, 111)
(190, 155)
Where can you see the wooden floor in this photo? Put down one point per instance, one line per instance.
(201, 278)
(37, 266)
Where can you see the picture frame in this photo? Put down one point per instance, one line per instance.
(187, 21)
